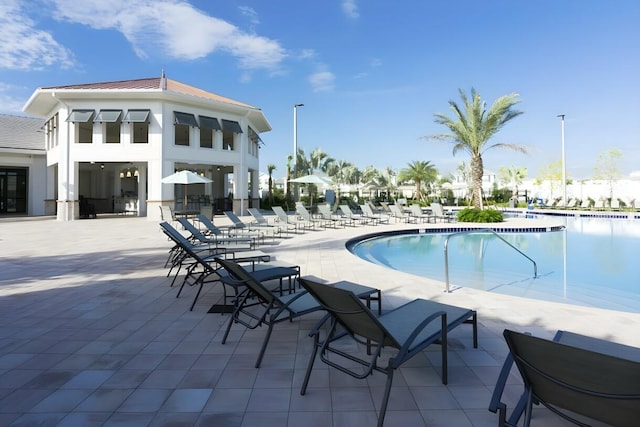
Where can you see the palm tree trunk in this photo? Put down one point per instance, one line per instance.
(477, 170)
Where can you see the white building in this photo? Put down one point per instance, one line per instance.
(22, 166)
(113, 142)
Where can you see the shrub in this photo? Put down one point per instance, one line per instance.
(477, 215)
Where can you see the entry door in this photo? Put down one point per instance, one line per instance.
(3, 193)
(13, 191)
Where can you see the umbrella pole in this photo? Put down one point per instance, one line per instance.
(184, 204)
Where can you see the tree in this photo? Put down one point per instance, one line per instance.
(550, 173)
(270, 168)
(607, 168)
(512, 176)
(419, 172)
(289, 159)
(472, 127)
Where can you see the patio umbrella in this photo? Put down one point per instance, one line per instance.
(185, 177)
(312, 179)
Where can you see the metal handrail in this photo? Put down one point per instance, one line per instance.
(479, 230)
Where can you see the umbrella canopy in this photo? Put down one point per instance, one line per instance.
(313, 179)
(185, 177)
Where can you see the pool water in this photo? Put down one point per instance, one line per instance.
(593, 262)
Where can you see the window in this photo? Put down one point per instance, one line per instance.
(208, 126)
(139, 120)
(110, 120)
(51, 132)
(83, 121)
(229, 129)
(183, 122)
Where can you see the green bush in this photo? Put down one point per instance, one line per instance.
(477, 215)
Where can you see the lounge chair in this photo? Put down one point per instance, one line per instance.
(419, 215)
(327, 215)
(241, 226)
(306, 216)
(439, 214)
(409, 329)
(385, 207)
(201, 264)
(166, 214)
(229, 244)
(212, 231)
(377, 218)
(354, 218)
(574, 376)
(284, 218)
(260, 306)
(261, 221)
(398, 214)
(179, 254)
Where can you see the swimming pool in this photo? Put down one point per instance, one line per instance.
(592, 262)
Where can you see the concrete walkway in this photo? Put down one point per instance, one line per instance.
(91, 333)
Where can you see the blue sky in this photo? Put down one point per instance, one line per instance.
(370, 73)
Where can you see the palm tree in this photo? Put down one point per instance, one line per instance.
(473, 126)
(512, 176)
(419, 172)
(270, 168)
(289, 159)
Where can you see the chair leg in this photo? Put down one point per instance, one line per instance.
(385, 397)
(312, 359)
(201, 280)
(226, 333)
(264, 345)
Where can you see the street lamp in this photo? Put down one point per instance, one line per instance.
(295, 148)
(564, 166)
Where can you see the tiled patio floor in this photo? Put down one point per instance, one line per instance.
(91, 333)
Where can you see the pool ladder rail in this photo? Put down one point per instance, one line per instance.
(479, 230)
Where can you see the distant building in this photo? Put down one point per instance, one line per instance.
(22, 166)
(113, 142)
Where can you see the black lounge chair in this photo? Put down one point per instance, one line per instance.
(574, 376)
(212, 231)
(409, 328)
(260, 306)
(231, 244)
(201, 261)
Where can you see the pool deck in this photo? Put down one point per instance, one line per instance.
(91, 333)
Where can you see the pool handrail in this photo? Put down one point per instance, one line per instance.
(479, 230)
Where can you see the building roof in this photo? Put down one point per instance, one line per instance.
(45, 99)
(21, 133)
(157, 83)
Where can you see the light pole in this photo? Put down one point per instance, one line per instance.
(564, 166)
(295, 148)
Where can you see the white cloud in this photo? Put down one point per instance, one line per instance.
(9, 104)
(322, 81)
(25, 47)
(350, 8)
(174, 28)
(250, 13)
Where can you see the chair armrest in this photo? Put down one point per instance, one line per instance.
(286, 305)
(406, 346)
